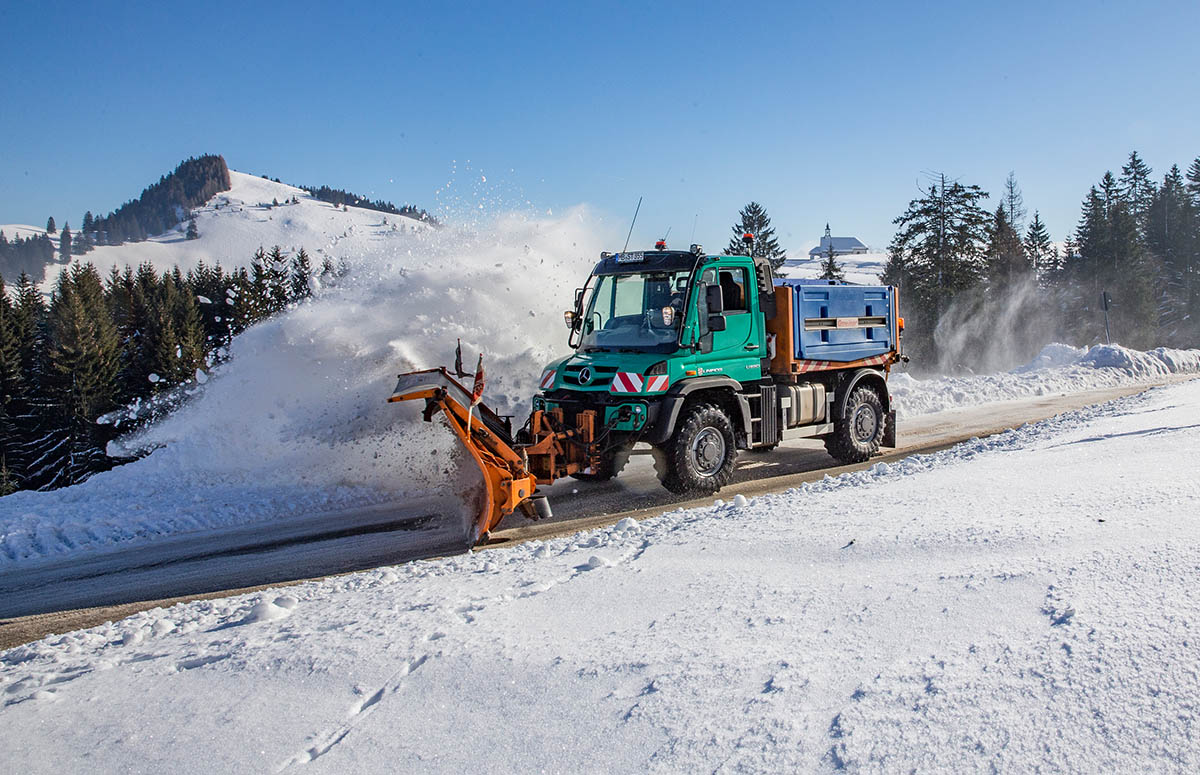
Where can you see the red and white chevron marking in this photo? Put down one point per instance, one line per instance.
(803, 366)
(632, 382)
(547, 380)
(657, 384)
(626, 382)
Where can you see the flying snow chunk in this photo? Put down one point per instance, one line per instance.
(154, 377)
(201, 377)
(739, 501)
(203, 299)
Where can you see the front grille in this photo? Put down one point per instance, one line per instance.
(602, 376)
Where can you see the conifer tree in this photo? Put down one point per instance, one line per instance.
(1193, 185)
(1136, 188)
(830, 269)
(11, 391)
(301, 276)
(192, 231)
(1014, 202)
(34, 465)
(1041, 252)
(64, 244)
(80, 244)
(938, 253)
(1112, 256)
(258, 294)
(754, 220)
(50, 227)
(82, 363)
(278, 281)
(1007, 264)
(1172, 237)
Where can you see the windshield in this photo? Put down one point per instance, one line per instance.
(636, 312)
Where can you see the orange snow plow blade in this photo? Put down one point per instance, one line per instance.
(487, 436)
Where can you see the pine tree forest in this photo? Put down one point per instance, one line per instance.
(985, 290)
(106, 354)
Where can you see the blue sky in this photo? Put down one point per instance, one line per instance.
(823, 112)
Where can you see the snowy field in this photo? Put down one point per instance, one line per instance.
(1018, 603)
(863, 268)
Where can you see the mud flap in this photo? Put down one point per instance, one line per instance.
(889, 431)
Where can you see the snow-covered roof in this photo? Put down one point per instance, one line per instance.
(840, 244)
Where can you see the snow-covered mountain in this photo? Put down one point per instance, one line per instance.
(235, 223)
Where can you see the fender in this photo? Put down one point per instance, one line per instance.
(672, 403)
(872, 377)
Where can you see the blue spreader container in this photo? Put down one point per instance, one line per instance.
(841, 323)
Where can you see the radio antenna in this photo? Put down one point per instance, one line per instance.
(694, 222)
(635, 215)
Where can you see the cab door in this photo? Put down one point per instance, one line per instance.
(736, 350)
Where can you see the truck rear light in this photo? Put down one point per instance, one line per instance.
(900, 321)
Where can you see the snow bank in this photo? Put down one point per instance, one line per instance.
(1058, 368)
(1018, 603)
(297, 421)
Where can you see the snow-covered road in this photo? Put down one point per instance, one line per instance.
(1023, 601)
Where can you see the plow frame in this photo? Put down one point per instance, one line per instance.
(507, 481)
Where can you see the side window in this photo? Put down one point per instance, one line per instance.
(708, 278)
(733, 290)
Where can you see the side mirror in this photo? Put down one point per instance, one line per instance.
(716, 322)
(714, 299)
(578, 299)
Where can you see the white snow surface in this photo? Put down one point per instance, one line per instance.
(1018, 603)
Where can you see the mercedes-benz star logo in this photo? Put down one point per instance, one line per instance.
(585, 375)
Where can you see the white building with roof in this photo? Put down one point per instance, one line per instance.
(842, 246)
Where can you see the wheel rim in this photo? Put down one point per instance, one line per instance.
(708, 451)
(865, 424)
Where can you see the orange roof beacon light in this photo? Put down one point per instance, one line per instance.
(660, 244)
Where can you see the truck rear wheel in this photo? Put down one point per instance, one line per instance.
(698, 459)
(858, 432)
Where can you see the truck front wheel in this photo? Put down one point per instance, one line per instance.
(698, 459)
(858, 432)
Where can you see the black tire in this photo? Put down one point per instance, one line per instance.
(698, 458)
(610, 465)
(857, 433)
